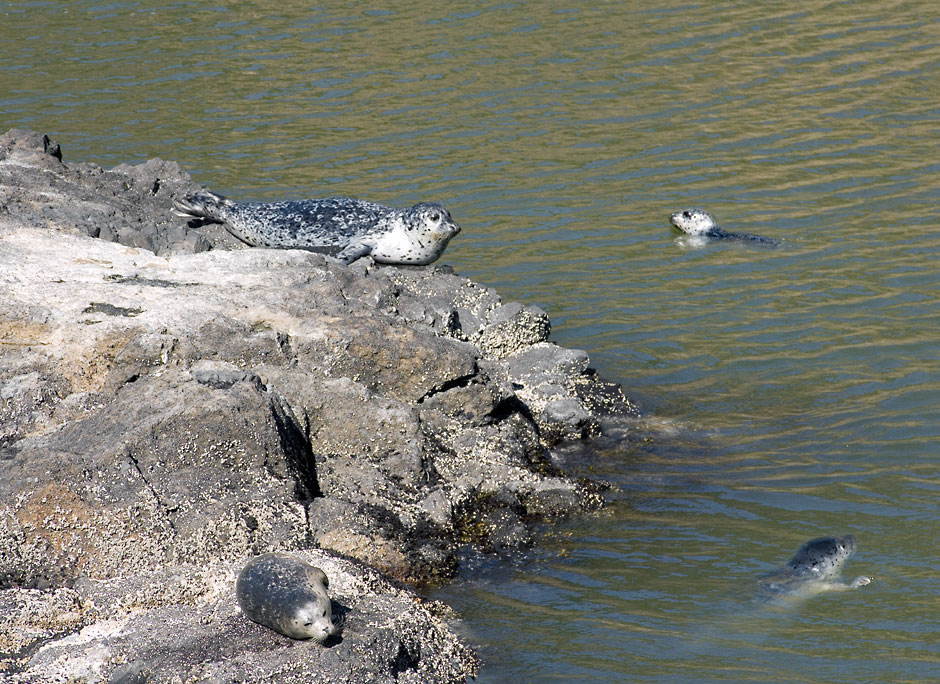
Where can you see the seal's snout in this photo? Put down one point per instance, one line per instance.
(448, 225)
(434, 220)
(683, 220)
(447, 228)
(321, 633)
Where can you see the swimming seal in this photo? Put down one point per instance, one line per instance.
(814, 569)
(699, 223)
(287, 595)
(342, 227)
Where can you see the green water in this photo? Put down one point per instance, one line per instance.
(794, 391)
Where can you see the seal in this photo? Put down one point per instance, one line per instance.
(700, 224)
(342, 227)
(286, 594)
(814, 569)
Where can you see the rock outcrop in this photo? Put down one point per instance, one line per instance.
(171, 404)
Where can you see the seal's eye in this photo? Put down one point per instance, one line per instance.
(435, 217)
(687, 214)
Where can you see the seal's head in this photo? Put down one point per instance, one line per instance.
(823, 557)
(312, 620)
(433, 220)
(694, 222)
(418, 235)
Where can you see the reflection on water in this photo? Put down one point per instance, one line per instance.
(800, 384)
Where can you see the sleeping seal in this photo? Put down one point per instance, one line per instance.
(286, 594)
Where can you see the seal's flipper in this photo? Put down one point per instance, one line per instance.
(353, 251)
(202, 204)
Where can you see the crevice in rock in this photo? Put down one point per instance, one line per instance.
(284, 344)
(511, 405)
(164, 506)
(404, 660)
(454, 383)
(298, 453)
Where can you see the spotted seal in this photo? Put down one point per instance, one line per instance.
(343, 227)
(700, 224)
(814, 569)
(287, 595)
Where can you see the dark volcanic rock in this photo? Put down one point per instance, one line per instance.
(127, 204)
(169, 408)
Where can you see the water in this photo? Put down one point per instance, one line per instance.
(793, 392)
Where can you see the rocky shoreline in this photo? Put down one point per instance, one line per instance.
(172, 403)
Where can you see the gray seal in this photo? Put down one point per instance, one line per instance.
(286, 594)
(342, 227)
(700, 224)
(814, 569)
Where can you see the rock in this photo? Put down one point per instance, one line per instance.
(30, 149)
(512, 327)
(188, 472)
(185, 625)
(127, 204)
(172, 403)
(438, 508)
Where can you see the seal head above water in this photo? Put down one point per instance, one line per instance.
(814, 568)
(700, 224)
(342, 227)
(287, 595)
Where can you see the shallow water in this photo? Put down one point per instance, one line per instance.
(792, 392)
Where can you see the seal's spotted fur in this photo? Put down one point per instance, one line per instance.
(822, 557)
(699, 223)
(287, 595)
(346, 228)
(814, 568)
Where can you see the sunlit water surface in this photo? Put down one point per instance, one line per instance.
(790, 392)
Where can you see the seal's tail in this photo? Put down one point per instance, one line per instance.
(202, 204)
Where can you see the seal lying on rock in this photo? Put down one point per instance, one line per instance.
(700, 224)
(814, 569)
(287, 595)
(347, 228)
